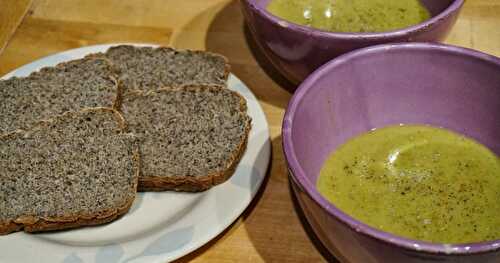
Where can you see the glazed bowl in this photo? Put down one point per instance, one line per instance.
(410, 83)
(296, 51)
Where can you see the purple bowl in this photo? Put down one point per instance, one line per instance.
(296, 51)
(411, 83)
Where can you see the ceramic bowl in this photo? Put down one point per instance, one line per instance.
(411, 83)
(296, 51)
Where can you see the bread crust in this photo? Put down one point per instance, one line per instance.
(118, 117)
(191, 183)
(227, 67)
(196, 183)
(35, 223)
(118, 88)
(102, 55)
(114, 77)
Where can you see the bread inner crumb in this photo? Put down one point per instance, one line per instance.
(55, 90)
(187, 132)
(74, 165)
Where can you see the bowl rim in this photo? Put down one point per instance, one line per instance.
(298, 174)
(454, 7)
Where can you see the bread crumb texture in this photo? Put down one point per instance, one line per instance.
(192, 131)
(51, 91)
(74, 164)
(146, 68)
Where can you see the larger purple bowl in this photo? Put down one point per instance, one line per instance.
(412, 83)
(296, 51)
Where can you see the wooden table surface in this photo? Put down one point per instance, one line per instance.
(270, 230)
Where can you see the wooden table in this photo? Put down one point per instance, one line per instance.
(270, 229)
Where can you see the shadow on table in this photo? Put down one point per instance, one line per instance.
(277, 228)
(230, 22)
(265, 63)
(274, 223)
(310, 232)
(277, 233)
(227, 35)
(244, 215)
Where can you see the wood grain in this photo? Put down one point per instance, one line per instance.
(11, 15)
(38, 37)
(271, 229)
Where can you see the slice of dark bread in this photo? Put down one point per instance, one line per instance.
(75, 169)
(51, 91)
(147, 68)
(192, 137)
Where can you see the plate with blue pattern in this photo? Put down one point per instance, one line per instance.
(160, 226)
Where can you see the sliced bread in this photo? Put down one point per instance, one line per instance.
(75, 169)
(69, 86)
(147, 68)
(192, 137)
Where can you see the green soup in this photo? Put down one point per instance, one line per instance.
(351, 15)
(418, 182)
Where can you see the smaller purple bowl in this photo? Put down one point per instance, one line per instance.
(412, 83)
(296, 51)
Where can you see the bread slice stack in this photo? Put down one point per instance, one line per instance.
(192, 137)
(194, 129)
(51, 91)
(75, 169)
(79, 139)
(147, 68)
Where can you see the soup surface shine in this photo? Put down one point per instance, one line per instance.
(418, 182)
(351, 15)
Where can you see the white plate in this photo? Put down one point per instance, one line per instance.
(160, 227)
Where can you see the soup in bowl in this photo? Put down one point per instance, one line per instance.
(297, 50)
(414, 85)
